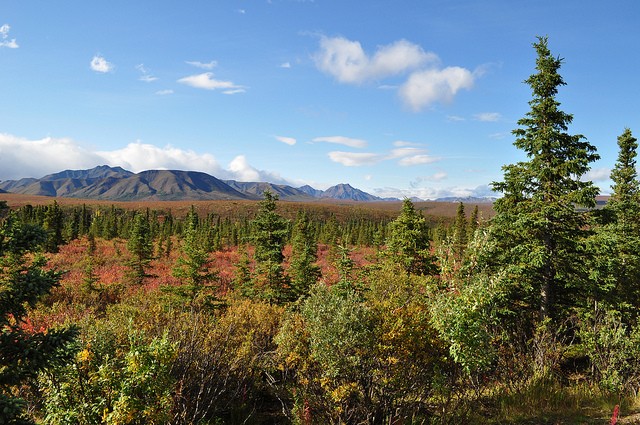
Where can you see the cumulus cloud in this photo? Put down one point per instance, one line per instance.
(4, 38)
(207, 82)
(424, 88)
(241, 170)
(288, 140)
(202, 65)
(138, 156)
(347, 61)
(428, 82)
(100, 64)
(341, 140)
(21, 158)
(487, 116)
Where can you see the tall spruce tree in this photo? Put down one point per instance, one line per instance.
(269, 235)
(140, 246)
(617, 243)
(408, 241)
(304, 271)
(24, 280)
(539, 229)
(194, 266)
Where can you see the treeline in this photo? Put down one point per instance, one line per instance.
(65, 224)
(530, 317)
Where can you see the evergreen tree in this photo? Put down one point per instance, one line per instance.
(617, 243)
(140, 246)
(242, 280)
(460, 233)
(270, 232)
(304, 271)
(193, 266)
(408, 241)
(474, 222)
(53, 224)
(538, 232)
(23, 281)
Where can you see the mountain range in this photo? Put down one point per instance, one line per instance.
(118, 184)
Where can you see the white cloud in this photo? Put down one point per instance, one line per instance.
(424, 88)
(355, 159)
(21, 158)
(347, 61)
(417, 160)
(4, 38)
(100, 64)
(241, 170)
(146, 75)
(164, 92)
(406, 156)
(455, 118)
(234, 91)
(201, 65)
(404, 151)
(432, 192)
(487, 116)
(411, 156)
(140, 156)
(597, 175)
(341, 140)
(288, 140)
(428, 83)
(285, 65)
(402, 143)
(207, 82)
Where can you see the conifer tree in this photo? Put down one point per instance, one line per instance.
(538, 230)
(303, 270)
(474, 222)
(617, 244)
(460, 232)
(408, 241)
(193, 266)
(53, 224)
(23, 281)
(270, 231)
(140, 246)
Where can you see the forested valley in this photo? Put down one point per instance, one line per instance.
(145, 316)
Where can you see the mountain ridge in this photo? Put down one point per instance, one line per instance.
(117, 184)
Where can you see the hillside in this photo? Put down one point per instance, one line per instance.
(117, 184)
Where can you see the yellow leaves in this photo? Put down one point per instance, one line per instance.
(345, 391)
(85, 356)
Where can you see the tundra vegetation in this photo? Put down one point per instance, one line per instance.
(120, 316)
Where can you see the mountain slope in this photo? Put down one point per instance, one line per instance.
(118, 184)
(346, 192)
(256, 189)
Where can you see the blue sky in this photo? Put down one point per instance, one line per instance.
(397, 98)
